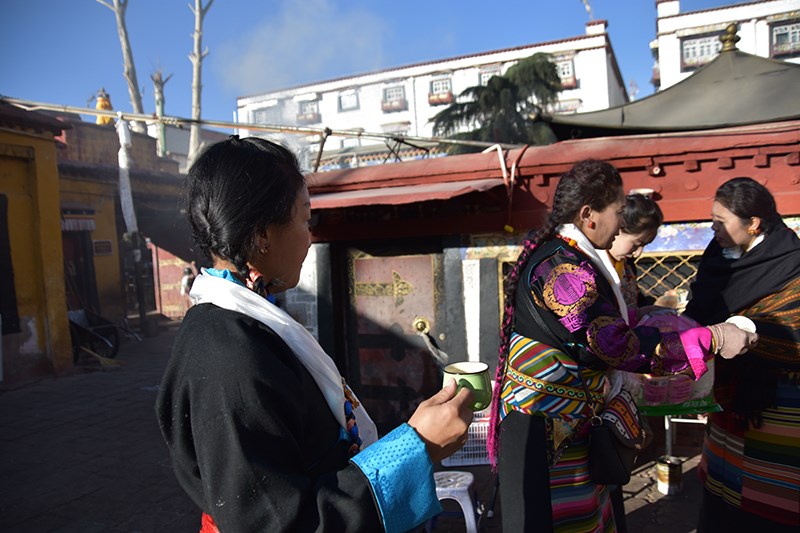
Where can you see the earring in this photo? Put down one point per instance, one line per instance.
(264, 250)
(752, 231)
(591, 224)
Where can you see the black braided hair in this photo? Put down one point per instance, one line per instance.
(589, 182)
(234, 190)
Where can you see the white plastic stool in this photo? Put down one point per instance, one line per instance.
(457, 485)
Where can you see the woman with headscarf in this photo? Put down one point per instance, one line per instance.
(751, 456)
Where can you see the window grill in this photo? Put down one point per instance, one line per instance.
(699, 51)
(394, 93)
(348, 100)
(487, 73)
(658, 273)
(440, 86)
(786, 39)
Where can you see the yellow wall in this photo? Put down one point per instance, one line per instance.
(29, 177)
(101, 197)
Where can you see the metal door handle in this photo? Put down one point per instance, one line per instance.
(423, 327)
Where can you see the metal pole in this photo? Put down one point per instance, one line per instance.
(139, 275)
(668, 436)
(324, 137)
(175, 121)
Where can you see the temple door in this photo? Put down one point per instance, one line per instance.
(389, 365)
(79, 273)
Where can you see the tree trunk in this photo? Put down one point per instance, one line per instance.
(196, 57)
(158, 90)
(119, 7)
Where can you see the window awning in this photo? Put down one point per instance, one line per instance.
(405, 194)
(77, 217)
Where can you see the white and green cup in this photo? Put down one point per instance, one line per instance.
(474, 376)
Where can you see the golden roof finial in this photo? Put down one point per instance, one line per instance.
(103, 102)
(729, 38)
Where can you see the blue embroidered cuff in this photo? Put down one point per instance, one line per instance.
(401, 474)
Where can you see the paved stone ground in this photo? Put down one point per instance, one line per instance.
(83, 454)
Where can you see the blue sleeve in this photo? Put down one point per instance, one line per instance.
(401, 475)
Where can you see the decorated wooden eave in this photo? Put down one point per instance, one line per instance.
(502, 190)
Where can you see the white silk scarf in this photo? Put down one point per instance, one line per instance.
(234, 297)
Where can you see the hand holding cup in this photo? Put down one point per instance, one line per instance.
(474, 376)
(442, 421)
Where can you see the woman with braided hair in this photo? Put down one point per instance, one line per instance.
(560, 297)
(263, 432)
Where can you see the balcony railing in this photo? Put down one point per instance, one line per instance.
(785, 49)
(390, 106)
(569, 82)
(440, 98)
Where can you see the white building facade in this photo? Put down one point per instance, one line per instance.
(402, 100)
(687, 41)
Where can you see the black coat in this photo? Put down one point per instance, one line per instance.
(252, 439)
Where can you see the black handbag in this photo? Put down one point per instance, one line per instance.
(615, 434)
(615, 437)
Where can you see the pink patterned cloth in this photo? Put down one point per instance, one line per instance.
(694, 339)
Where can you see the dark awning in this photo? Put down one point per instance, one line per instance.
(734, 89)
(404, 194)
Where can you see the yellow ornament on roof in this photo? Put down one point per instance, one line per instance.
(104, 103)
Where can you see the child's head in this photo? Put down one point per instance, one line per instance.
(641, 219)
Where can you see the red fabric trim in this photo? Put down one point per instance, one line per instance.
(207, 524)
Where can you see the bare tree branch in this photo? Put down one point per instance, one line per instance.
(196, 57)
(129, 68)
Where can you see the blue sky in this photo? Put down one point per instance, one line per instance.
(63, 51)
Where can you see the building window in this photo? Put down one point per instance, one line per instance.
(308, 112)
(786, 39)
(348, 100)
(441, 91)
(441, 86)
(487, 73)
(396, 128)
(698, 51)
(566, 71)
(394, 99)
(351, 142)
(267, 115)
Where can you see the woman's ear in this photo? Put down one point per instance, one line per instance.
(584, 218)
(263, 240)
(754, 228)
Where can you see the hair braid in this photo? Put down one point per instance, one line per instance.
(528, 246)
